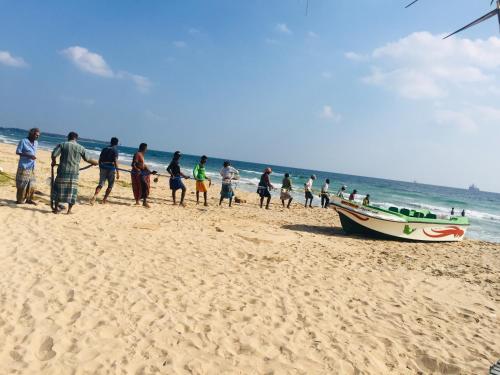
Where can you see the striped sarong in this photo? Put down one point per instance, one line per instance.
(25, 184)
(65, 188)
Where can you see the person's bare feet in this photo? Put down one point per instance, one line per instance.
(146, 205)
(92, 200)
(137, 203)
(31, 202)
(104, 201)
(205, 204)
(182, 204)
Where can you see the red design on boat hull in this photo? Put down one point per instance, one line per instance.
(449, 231)
(359, 216)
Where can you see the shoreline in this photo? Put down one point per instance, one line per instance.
(248, 194)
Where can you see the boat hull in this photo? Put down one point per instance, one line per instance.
(357, 221)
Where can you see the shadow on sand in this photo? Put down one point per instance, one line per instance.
(316, 229)
(41, 207)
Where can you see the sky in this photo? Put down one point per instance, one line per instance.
(359, 87)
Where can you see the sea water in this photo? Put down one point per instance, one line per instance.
(482, 208)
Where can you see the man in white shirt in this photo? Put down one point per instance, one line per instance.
(325, 196)
(308, 191)
(228, 173)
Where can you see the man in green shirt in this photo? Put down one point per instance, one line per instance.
(199, 174)
(65, 188)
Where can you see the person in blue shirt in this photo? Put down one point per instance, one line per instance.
(25, 176)
(108, 170)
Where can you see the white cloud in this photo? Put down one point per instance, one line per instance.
(354, 56)
(179, 44)
(94, 63)
(88, 61)
(193, 31)
(468, 118)
(409, 83)
(312, 34)
(142, 83)
(7, 59)
(454, 118)
(327, 113)
(423, 66)
(283, 28)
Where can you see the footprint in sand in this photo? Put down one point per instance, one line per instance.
(70, 295)
(45, 351)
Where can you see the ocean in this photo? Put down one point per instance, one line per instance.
(482, 208)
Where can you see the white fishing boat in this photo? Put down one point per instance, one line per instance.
(398, 224)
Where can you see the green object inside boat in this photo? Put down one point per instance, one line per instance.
(422, 216)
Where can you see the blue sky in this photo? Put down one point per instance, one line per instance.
(364, 87)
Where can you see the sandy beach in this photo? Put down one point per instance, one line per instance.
(119, 289)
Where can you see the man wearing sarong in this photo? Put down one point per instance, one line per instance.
(65, 189)
(108, 170)
(286, 189)
(176, 177)
(200, 175)
(25, 176)
(264, 187)
(140, 174)
(308, 191)
(228, 174)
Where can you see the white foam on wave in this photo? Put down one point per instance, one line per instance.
(274, 174)
(249, 171)
(444, 211)
(7, 140)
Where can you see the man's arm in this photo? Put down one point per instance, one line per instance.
(269, 183)
(55, 153)
(86, 157)
(115, 163)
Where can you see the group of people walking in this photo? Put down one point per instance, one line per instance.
(64, 187)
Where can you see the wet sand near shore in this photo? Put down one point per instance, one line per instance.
(117, 288)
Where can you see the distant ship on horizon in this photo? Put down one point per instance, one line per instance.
(474, 188)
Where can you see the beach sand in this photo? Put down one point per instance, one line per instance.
(119, 289)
